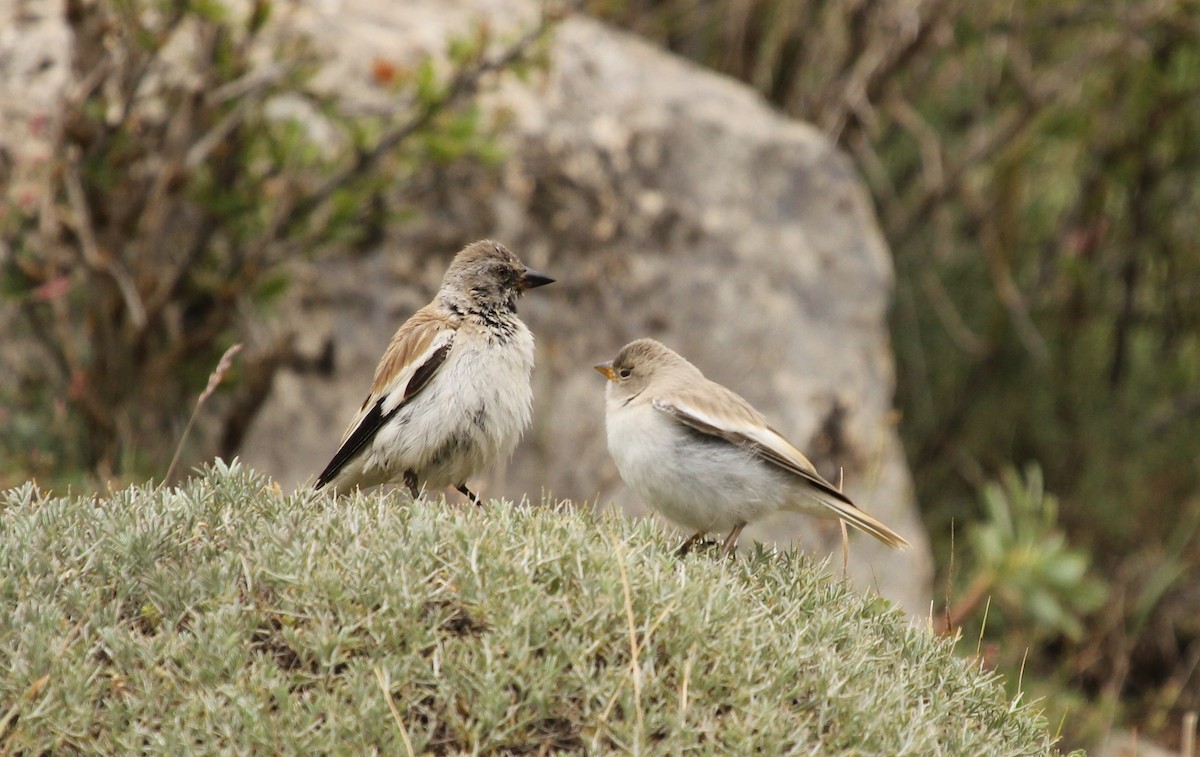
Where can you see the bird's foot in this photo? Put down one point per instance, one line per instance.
(731, 540)
(696, 539)
(469, 494)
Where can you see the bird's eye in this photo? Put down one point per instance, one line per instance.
(624, 373)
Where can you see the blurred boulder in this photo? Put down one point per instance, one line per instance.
(34, 70)
(1129, 744)
(668, 202)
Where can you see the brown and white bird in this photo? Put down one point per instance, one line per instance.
(703, 457)
(451, 395)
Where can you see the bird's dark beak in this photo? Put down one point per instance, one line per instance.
(606, 370)
(533, 279)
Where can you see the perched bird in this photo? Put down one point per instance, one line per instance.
(451, 394)
(703, 457)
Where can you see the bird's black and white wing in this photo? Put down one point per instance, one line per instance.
(412, 359)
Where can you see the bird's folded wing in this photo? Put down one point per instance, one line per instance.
(734, 420)
(414, 356)
(723, 414)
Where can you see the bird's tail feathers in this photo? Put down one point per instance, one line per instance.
(865, 523)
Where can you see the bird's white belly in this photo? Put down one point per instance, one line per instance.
(698, 484)
(470, 415)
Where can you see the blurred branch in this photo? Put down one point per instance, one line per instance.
(92, 256)
(1182, 407)
(464, 84)
(949, 316)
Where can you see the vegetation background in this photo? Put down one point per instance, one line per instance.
(1036, 169)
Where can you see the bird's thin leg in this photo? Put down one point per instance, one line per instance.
(731, 540)
(687, 545)
(469, 494)
(410, 480)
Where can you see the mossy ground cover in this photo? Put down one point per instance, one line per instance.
(226, 616)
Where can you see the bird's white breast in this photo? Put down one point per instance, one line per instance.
(470, 415)
(703, 484)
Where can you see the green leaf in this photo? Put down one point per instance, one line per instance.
(272, 288)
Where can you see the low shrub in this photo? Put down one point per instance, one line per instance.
(225, 615)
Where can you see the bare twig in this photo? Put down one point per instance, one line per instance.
(996, 254)
(162, 38)
(253, 82)
(214, 380)
(386, 687)
(958, 330)
(202, 147)
(92, 255)
(634, 651)
(933, 159)
(976, 594)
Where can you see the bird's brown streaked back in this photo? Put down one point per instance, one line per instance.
(413, 339)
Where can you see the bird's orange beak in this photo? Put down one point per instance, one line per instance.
(606, 370)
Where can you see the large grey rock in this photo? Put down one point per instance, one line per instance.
(1131, 744)
(34, 70)
(669, 202)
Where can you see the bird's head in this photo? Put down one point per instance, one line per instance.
(638, 364)
(485, 275)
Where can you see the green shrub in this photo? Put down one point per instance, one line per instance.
(227, 616)
(1020, 564)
